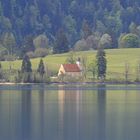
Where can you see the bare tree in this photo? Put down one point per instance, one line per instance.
(138, 71)
(126, 72)
(84, 66)
(93, 69)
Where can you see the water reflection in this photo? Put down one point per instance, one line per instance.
(26, 99)
(40, 114)
(101, 112)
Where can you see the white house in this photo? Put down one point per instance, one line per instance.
(73, 70)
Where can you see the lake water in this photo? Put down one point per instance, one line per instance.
(40, 112)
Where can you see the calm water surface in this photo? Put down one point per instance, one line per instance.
(40, 112)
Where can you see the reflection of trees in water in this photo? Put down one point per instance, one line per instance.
(33, 120)
(101, 93)
(41, 110)
(77, 114)
(26, 112)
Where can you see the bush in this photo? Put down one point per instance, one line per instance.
(41, 52)
(27, 77)
(41, 41)
(9, 57)
(37, 78)
(106, 41)
(18, 77)
(30, 54)
(129, 41)
(46, 79)
(81, 45)
(93, 41)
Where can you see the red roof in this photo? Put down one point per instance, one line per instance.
(71, 68)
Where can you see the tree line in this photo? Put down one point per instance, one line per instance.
(42, 27)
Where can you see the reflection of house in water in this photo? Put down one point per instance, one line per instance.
(68, 102)
(61, 104)
(80, 113)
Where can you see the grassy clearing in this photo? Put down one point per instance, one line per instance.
(116, 59)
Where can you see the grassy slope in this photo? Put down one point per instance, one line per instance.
(116, 60)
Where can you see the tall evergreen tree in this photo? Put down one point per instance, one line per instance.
(101, 63)
(41, 68)
(26, 65)
(26, 69)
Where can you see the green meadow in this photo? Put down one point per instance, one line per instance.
(116, 60)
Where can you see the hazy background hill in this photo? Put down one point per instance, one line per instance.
(56, 26)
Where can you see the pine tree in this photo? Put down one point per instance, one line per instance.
(26, 69)
(41, 68)
(101, 63)
(26, 65)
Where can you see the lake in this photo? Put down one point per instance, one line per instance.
(86, 112)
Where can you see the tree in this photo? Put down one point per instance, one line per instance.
(9, 42)
(61, 43)
(26, 69)
(28, 44)
(1, 72)
(129, 41)
(101, 63)
(6, 24)
(132, 28)
(71, 58)
(138, 72)
(106, 41)
(41, 68)
(81, 45)
(100, 27)
(86, 30)
(69, 24)
(84, 66)
(93, 41)
(126, 72)
(26, 65)
(41, 41)
(41, 52)
(93, 69)
(114, 26)
(47, 23)
(138, 30)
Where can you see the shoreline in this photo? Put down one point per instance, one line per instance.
(74, 83)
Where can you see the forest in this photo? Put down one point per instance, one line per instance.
(42, 27)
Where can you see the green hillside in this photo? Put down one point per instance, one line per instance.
(116, 58)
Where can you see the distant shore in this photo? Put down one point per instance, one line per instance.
(72, 83)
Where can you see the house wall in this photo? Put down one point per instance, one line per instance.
(74, 74)
(61, 70)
